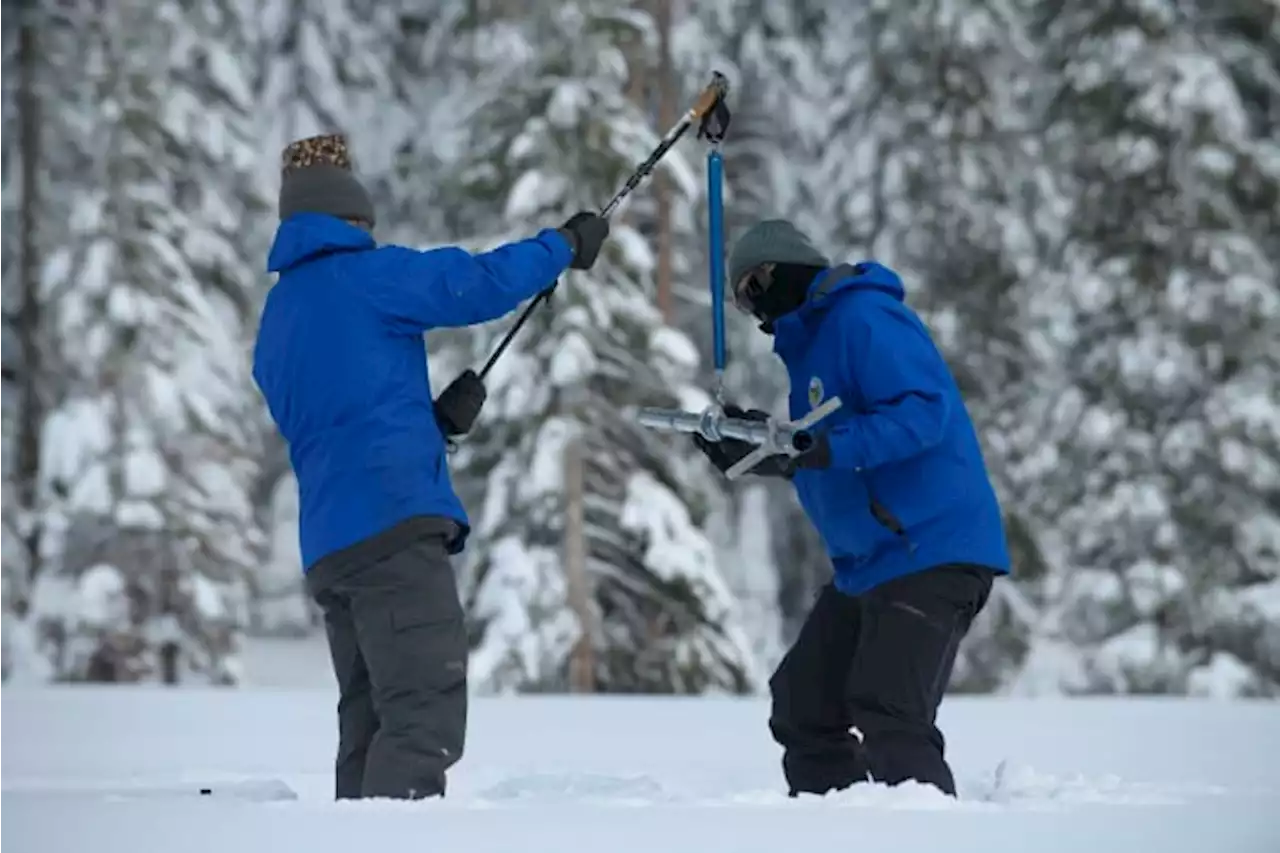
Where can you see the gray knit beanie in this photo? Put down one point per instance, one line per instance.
(316, 177)
(774, 241)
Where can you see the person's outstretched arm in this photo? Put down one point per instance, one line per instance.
(451, 287)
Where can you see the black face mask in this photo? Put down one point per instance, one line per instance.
(771, 291)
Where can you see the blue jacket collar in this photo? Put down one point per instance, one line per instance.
(306, 236)
(827, 286)
(867, 275)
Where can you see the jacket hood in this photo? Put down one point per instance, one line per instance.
(867, 275)
(307, 236)
(794, 328)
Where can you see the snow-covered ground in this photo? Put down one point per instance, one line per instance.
(98, 770)
(287, 662)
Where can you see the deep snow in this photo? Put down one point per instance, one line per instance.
(98, 770)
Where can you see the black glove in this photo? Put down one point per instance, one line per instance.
(728, 452)
(586, 232)
(459, 405)
(818, 455)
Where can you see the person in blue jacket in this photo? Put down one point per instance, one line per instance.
(341, 362)
(897, 487)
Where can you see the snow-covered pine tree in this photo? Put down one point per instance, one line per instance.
(48, 137)
(13, 553)
(559, 135)
(441, 54)
(12, 83)
(737, 519)
(324, 68)
(148, 458)
(1167, 129)
(774, 558)
(754, 43)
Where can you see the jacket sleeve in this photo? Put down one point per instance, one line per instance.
(451, 287)
(903, 379)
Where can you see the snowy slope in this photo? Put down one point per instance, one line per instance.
(111, 771)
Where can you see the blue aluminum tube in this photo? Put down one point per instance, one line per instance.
(715, 229)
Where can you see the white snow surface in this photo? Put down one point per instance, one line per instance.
(118, 770)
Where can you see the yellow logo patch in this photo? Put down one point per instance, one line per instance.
(816, 392)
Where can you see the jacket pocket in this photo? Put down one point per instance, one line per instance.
(919, 490)
(889, 520)
(839, 507)
(427, 645)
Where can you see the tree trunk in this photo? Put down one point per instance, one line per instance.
(28, 319)
(662, 10)
(638, 80)
(637, 92)
(581, 660)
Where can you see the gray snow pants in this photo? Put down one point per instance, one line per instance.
(398, 640)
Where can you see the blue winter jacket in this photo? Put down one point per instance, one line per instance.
(341, 362)
(907, 488)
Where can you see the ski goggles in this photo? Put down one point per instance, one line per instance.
(752, 285)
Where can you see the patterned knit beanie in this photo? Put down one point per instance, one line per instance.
(316, 177)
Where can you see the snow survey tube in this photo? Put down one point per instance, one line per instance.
(789, 437)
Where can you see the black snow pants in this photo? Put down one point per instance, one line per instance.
(878, 662)
(398, 640)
